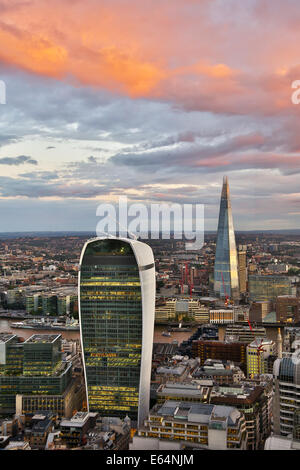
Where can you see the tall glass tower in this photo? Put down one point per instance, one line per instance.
(226, 281)
(116, 311)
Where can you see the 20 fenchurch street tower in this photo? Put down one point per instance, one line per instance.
(226, 282)
(116, 308)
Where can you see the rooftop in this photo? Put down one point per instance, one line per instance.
(244, 393)
(197, 412)
(187, 389)
(5, 337)
(78, 420)
(40, 338)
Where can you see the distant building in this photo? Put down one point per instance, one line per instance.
(226, 280)
(242, 264)
(221, 316)
(243, 333)
(287, 309)
(179, 309)
(259, 310)
(278, 268)
(269, 287)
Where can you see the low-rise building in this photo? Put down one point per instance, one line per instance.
(178, 425)
(220, 372)
(73, 431)
(188, 391)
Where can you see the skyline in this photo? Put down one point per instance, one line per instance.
(133, 99)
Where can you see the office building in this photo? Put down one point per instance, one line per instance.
(182, 309)
(221, 316)
(219, 372)
(263, 287)
(258, 353)
(286, 394)
(231, 351)
(116, 311)
(73, 431)
(186, 391)
(32, 368)
(242, 264)
(287, 309)
(226, 280)
(259, 310)
(243, 333)
(251, 400)
(177, 425)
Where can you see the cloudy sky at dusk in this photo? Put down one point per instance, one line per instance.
(156, 100)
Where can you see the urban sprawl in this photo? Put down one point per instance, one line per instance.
(122, 344)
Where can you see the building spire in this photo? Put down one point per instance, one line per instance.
(279, 344)
(226, 282)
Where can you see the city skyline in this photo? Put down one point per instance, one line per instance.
(144, 306)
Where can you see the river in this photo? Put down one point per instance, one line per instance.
(5, 326)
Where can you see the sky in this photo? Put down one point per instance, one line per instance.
(155, 100)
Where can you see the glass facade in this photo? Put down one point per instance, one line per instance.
(269, 287)
(111, 317)
(33, 367)
(226, 281)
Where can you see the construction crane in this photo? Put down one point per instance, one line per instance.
(185, 278)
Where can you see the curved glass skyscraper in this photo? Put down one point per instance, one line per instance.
(116, 308)
(226, 281)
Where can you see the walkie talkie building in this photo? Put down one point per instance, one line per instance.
(226, 281)
(116, 309)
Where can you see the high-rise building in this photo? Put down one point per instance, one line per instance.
(242, 261)
(33, 372)
(264, 287)
(286, 394)
(226, 280)
(116, 311)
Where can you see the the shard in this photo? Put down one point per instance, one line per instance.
(226, 282)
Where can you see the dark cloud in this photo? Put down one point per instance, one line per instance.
(20, 160)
